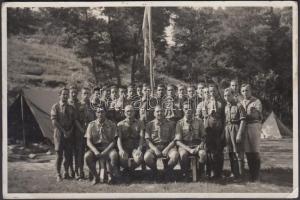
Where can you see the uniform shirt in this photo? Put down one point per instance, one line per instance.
(234, 113)
(253, 109)
(192, 103)
(190, 131)
(146, 110)
(202, 110)
(106, 101)
(237, 97)
(171, 110)
(101, 133)
(112, 104)
(75, 104)
(215, 114)
(130, 132)
(86, 113)
(155, 101)
(64, 114)
(162, 131)
(179, 104)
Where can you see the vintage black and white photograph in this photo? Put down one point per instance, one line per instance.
(150, 99)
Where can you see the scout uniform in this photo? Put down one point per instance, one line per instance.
(161, 134)
(234, 114)
(64, 114)
(237, 97)
(192, 102)
(146, 111)
(76, 139)
(179, 104)
(118, 114)
(172, 112)
(253, 109)
(130, 135)
(212, 112)
(101, 134)
(86, 115)
(191, 133)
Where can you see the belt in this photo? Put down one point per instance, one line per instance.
(233, 123)
(253, 121)
(101, 145)
(192, 143)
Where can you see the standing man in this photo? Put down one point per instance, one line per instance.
(235, 88)
(86, 115)
(130, 141)
(145, 109)
(199, 91)
(202, 107)
(253, 108)
(139, 91)
(214, 124)
(120, 105)
(63, 119)
(74, 102)
(132, 98)
(113, 96)
(191, 97)
(181, 97)
(105, 96)
(235, 121)
(130, 95)
(101, 138)
(112, 103)
(159, 137)
(96, 97)
(159, 97)
(190, 139)
(172, 112)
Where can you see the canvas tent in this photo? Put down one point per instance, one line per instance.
(273, 128)
(37, 104)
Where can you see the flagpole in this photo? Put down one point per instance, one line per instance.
(150, 51)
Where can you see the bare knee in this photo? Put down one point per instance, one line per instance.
(183, 154)
(149, 158)
(89, 157)
(174, 156)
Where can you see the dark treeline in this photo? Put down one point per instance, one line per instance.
(253, 45)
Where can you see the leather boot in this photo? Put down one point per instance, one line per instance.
(256, 167)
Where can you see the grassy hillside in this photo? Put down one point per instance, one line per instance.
(30, 64)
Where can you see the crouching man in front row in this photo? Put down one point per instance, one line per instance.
(130, 141)
(101, 138)
(190, 138)
(159, 137)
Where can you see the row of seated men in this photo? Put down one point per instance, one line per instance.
(171, 126)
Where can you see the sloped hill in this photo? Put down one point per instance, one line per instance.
(30, 64)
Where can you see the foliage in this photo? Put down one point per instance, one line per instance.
(251, 44)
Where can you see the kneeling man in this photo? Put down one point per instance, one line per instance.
(101, 138)
(131, 139)
(159, 137)
(190, 138)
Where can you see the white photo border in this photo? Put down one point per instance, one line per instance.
(293, 194)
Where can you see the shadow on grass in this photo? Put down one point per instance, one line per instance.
(276, 176)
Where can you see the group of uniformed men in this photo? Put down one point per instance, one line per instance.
(116, 126)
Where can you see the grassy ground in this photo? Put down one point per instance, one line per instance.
(30, 64)
(276, 176)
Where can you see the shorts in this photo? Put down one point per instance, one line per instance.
(252, 137)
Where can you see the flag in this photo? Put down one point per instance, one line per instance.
(149, 51)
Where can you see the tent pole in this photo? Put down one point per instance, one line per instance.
(22, 115)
